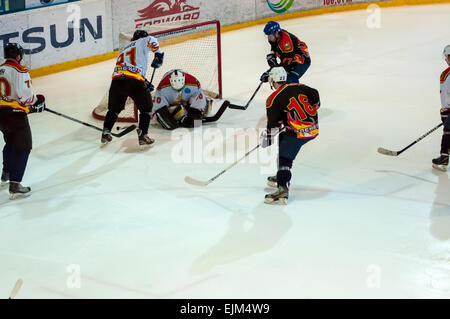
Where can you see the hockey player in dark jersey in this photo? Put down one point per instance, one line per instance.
(294, 107)
(293, 53)
(17, 100)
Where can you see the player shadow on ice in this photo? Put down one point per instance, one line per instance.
(50, 195)
(248, 234)
(440, 211)
(78, 141)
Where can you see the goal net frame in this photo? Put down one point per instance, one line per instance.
(176, 33)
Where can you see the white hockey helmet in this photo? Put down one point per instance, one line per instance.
(278, 74)
(177, 80)
(446, 52)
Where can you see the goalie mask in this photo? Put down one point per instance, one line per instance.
(177, 80)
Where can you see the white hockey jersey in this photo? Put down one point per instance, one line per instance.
(445, 90)
(15, 87)
(191, 94)
(133, 59)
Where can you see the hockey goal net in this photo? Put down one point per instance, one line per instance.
(193, 47)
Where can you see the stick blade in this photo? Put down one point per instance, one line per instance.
(125, 131)
(236, 107)
(195, 182)
(16, 288)
(384, 151)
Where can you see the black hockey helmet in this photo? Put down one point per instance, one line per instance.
(12, 50)
(139, 34)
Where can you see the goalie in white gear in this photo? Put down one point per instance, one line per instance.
(179, 100)
(441, 162)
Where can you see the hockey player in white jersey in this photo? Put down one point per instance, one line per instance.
(441, 162)
(17, 100)
(129, 80)
(179, 100)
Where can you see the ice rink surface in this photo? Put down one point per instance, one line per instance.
(358, 224)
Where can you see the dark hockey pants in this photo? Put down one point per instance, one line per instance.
(445, 142)
(289, 146)
(122, 88)
(297, 72)
(18, 142)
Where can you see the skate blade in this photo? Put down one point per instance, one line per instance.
(442, 168)
(271, 201)
(272, 184)
(13, 196)
(145, 145)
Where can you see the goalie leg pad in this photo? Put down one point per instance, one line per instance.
(165, 119)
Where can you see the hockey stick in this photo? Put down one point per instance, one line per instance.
(394, 153)
(218, 114)
(196, 182)
(151, 80)
(16, 288)
(239, 107)
(124, 132)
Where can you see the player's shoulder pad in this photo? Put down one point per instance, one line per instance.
(165, 82)
(445, 75)
(285, 43)
(20, 68)
(191, 80)
(274, 95)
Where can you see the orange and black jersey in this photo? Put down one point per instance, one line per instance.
(295, 106)
(290, 50)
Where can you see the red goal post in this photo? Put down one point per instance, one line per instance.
(192, 46)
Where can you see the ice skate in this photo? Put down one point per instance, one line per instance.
(144, 139)
(5, 178)
(272, 181)
(441, 163)
(278, 197)
(106, 136)
(17, 190)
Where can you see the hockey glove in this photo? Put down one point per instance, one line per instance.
(266, 138)
(158, 60)
(39, 106)
(191, 118)
(264, 77)
(148, 86)
(272, 60)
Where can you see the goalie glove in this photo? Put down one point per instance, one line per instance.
(158, 60)
(39, 106)
(192, 116)
(272, 60)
